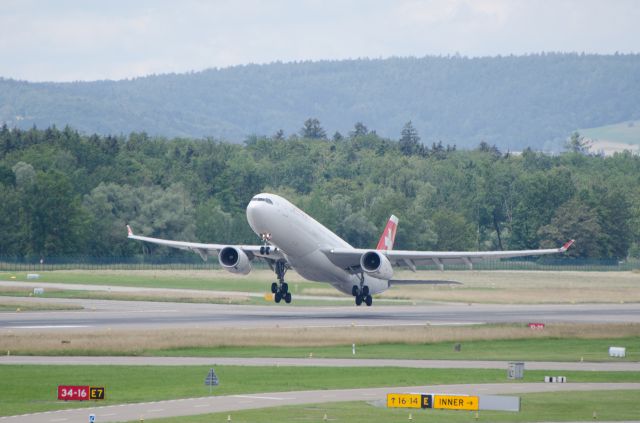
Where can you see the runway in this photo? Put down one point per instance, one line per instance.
(229, 403)
(147, 315)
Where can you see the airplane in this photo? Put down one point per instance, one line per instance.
(291, 239)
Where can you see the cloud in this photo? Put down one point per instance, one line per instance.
(73, 39)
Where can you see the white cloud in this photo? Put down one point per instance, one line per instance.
(74, 39)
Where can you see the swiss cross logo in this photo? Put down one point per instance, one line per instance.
(389, 234)
(388, 239)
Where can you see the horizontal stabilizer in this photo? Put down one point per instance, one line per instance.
(421, 282)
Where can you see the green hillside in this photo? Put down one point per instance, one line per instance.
(512, 101)
(624, 133)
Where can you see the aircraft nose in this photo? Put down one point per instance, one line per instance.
(255, 210)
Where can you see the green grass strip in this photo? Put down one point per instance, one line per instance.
(537, 349)
(33, 388)
(539, 407)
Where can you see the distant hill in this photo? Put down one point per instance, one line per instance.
(513, 102)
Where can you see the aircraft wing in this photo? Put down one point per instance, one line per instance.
(206, 250)
(349, 259)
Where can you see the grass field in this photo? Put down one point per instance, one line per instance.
(526, 350)
(25, 389)
(625, 132)
(203, 297)
(506, 287)
(570, 406)
(220, 280)
(557, 342)
(17, 306)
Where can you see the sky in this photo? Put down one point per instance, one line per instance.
(70, 40)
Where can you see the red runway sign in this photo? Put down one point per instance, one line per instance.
(80, 393)
(73, 393)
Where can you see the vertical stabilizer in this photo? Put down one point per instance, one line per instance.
(389, 234)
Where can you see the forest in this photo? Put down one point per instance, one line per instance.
(68, 194)
(513, 102)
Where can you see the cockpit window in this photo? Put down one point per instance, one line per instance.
(266, 200)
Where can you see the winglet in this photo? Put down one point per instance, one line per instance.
(130, 232)
(566, 245)
(389, 234)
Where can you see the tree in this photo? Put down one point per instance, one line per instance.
(337, 136)
(214, 224)
(578, 144)
(58, 224)
(278, 136)
(312, 129)
(575, 219)
(537, 197)
(490, 149)
(24, 174)
(409, 140)
(12, 231)
(454, 232)
(359, 130)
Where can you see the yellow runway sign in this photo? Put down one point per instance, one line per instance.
(455, 402)
(404, 400)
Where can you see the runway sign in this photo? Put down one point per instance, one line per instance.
(73, 393)
(455, 402)
(80, 393)
(96, 393)
(212, 378)
(404, 400)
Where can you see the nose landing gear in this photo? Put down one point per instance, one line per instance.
(265, 248)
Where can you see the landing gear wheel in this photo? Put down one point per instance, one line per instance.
(368, 300)
(354, 290)
(365, 290)
(358, 300)
(280, 289)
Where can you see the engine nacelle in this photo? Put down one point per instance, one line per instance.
(234, 260)
(376, 265)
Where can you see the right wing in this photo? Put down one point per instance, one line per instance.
(206, 250)
(349, 258)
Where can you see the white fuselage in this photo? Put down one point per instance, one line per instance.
(301, 238)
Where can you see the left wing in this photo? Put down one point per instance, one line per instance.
(206, 250)
(349, 259)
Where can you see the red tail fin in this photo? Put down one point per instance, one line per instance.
(389, 234)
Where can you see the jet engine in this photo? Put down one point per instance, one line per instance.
(234, 260)
(376, 265)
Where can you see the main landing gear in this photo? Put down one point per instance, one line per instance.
(280, 289)
(361, 293)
